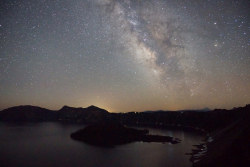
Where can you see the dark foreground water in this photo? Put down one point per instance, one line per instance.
(49, 144)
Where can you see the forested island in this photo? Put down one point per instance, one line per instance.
(227, 131)
(110, 133)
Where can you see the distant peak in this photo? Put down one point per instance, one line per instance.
(92, 106)
(206, 109)
(65, 107)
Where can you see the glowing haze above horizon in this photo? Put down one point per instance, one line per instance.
(125, 55)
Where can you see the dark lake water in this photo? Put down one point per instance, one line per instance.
(49, 144)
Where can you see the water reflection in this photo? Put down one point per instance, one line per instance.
(49, 144)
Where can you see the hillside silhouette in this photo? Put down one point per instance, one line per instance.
(228, 131)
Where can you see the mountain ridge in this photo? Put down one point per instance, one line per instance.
(209, 123)
(66, 113)
(192, 119)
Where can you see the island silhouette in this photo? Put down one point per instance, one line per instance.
(111, 133)
(227, 131)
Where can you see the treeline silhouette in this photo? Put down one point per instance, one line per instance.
(230, 129)
(199, 120)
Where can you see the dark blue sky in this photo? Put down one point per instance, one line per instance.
(125, 55)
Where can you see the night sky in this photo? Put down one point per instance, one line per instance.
(125, 55)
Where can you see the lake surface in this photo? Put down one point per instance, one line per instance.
(49, 144)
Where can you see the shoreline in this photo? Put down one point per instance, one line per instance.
(200, 150)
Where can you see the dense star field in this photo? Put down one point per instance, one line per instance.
(125, 55)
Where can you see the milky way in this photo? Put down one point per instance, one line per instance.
(125, 55)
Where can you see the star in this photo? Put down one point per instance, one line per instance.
(140, 51)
